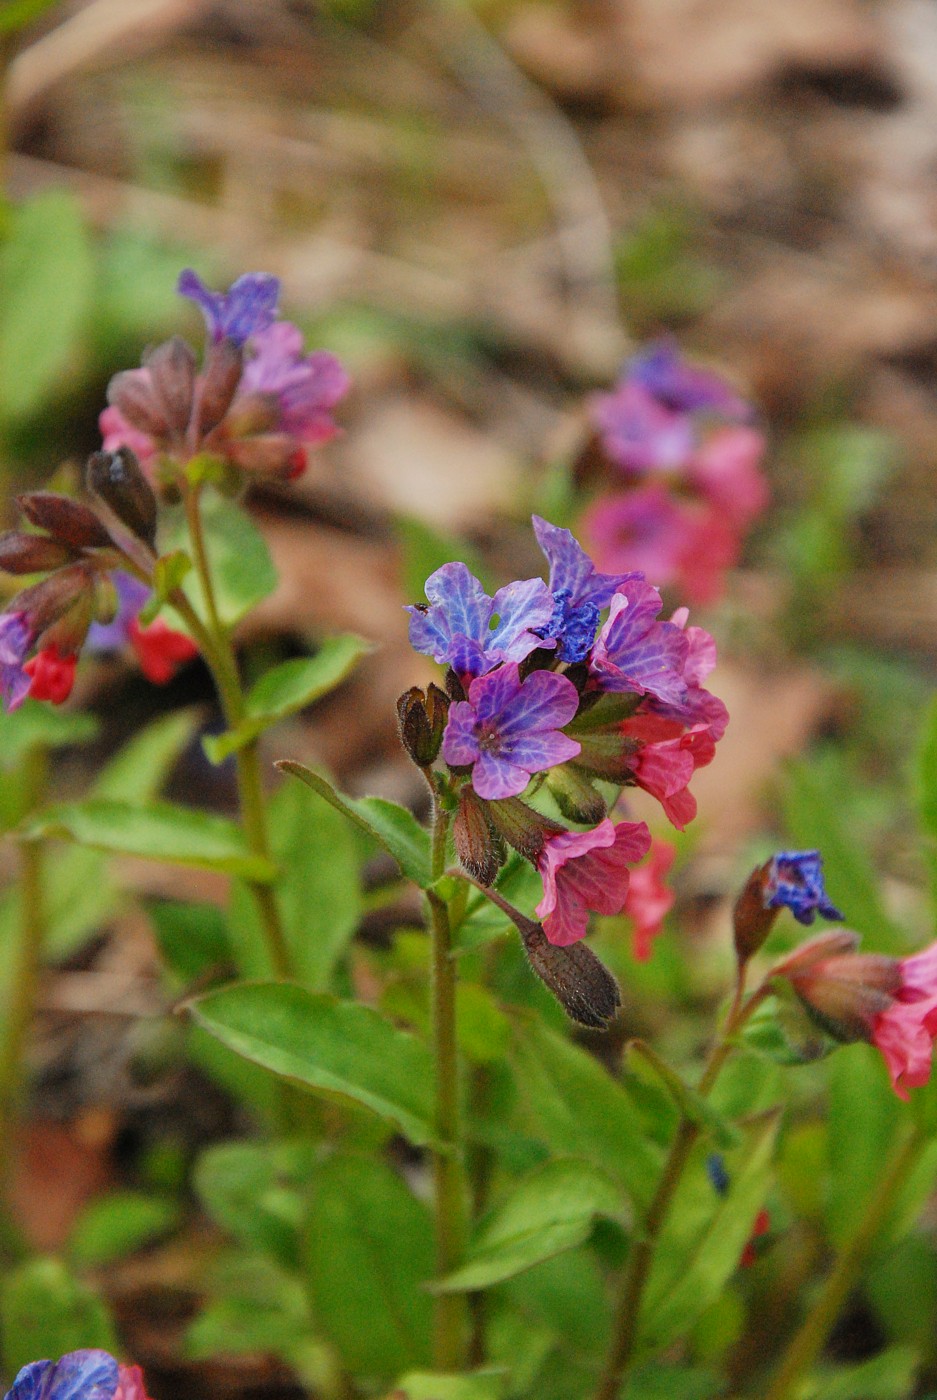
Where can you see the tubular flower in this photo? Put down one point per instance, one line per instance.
(508, 729)
(79, 1375)
(794, 880)
(584, 872)
(465, 629)
(15, 642)
(159, 648)
(256, 404)
(634, 652)
(666, 759)
(649, 899)
(579, 591)
(905, 1032)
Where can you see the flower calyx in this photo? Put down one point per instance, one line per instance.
(421, 719)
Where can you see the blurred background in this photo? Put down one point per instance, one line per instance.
(483, 209)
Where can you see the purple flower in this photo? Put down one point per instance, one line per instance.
(15, 640)
(509, 729)
(794, 880)
(131, 596)
(246, 308)
(80, 1375)
(686, 388)
(698, 706)
(307, 387)
(465, 629)
(579, 591)
(639, 433)
(635, 652)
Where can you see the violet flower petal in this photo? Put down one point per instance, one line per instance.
(79, 1375)
(635, 652)
(246, 308)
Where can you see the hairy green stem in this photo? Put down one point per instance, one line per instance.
(808, 1341)
(641, 1258)
(449, 1315)
(222, 661)
(24, 980)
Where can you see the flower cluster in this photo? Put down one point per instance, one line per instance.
(690, 452)
(79, 1375)
(541, 690)
(257, 403)
(92, 591)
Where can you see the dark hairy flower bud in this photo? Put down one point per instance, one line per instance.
(581, 983)
(223, 368)
(752, 920)
(479, 848)
(66, 520)
(69, 631)
(421, 721)
(32, 554)
(131, 393)
(171, 368)
(44, 603)
(842, 990)
(117, 480)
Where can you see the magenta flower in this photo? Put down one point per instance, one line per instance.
(306, 387)
(508, 729)
(465, 629)
(699, 705)
(635, 652)
(585, 872)
(647, 529)
(650, 899)
(905, 1035)
(725, 471)
(638, 432)
(80, 1375)
(666, 759)
(579, 591)
(246, 308)
(15, 641)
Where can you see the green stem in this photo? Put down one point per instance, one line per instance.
(808, 1342)
(24, 979)
(638, 1269)
(222, 661)
(449, 1317)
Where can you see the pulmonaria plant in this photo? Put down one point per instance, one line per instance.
(543, 694)
(79, 1375)
(689, 451)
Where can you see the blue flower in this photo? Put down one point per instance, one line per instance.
(465, 629)
(579, 591)
(81, 1375)
(248, 306)
(686, 388)
(794, 880)
(15, 641)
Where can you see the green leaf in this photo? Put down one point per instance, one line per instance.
(170, 571)
(160, 831)
(257, 1193)
(46, 1311)
(550, 1210)
(242, 570)
(339, 1049)
(642, 1060)
(139, 770)
(573, 1103)
(699, 1248)
(37, 725)
(289, 688)
(433, 1385)
(192, 938)
(864, 1116)
(392, 826)
(888, 1376)
(46, 285)
(318, 892)
(370, 1251)
(255, 1307)
(671, 1383)
(114, 1226)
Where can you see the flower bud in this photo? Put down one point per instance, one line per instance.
(171, 367)
(422, 722)
(524, 829)
(575, 796)
(843, 991)
(581, 983)
(67, 633)
(224, 366)
(116, 478)
(32, 554)
(65, 520)
(131, 392)
(607, 754)
(44, 603)
(752, 919)
(478, 846)
(269, 454)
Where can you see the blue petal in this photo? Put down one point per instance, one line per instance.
(248, 306)
(572, 569)
(80, 1375)
(795, 882)
(522, 608)
(683, 387)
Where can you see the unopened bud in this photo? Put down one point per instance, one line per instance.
(106, 599)
(252, 414)
(478, 846)
(117, 480)
(224, 366)
(842, 990)
(583, 985)
(67, 634)
(606, 754)
(44, 603)
(523, 829)
(270, 454)
(171, 368)
(131, 392)
(575, 796)
(32, 554)
(422, 722)
(752, 919)
(65, 520)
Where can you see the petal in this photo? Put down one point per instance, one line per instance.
(460, 742)
(572, 569)
(519, 608)
(542, 702)
(494, 777)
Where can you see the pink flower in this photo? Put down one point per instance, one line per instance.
(666, 761)
(649, 900)
(646, 529)
(130, 1385)
(587, 871)
(725, 471)
(906, 1031)
(117, 432)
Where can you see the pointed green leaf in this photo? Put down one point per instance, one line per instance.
(138, 771)
(256, 1191)
(38, 725)
(391, 825)
(549, 1210)
(46, 1311)
(370, 1251)
(160, 831)
(426, 1385)
(242, 571)
(339, 1049)
(571, 1101)
(288, 688)
(111, 1227)
(642, 1060)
